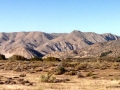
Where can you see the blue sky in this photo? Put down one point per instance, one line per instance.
(100, 16)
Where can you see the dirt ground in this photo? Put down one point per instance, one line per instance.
(75, 83)
(18, 75)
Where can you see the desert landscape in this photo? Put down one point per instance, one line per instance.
(51, 74)
(59, 44)
(59, 61)
(81, 61)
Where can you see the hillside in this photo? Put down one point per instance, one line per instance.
(110, 49)
(45, 43)
(74, 41)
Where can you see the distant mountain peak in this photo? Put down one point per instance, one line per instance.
(76, 31)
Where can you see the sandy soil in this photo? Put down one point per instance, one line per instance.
(74, 83)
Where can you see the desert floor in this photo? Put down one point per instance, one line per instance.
(102, 79)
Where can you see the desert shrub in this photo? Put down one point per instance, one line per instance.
(79, 75)
(87, 59)
(51, 59)
(51, 79)
(48, 78)
(2, 57)
(71, 73)
(109, 59)
(113, 59)
(36, 59)
(82, 66)
(115, 65)
(60, 70)
(105, 53)
(89, 74)
(75, 52)
(22, 75)
(17, 57)
(66, 64)
(110, 75)
(94, 77)
(17, 69)
(104, 65)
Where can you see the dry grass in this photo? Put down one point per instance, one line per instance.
(75, 83)
(82, 84)
(82, 75)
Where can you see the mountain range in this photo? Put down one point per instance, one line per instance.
(30, 44)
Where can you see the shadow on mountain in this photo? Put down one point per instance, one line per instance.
(36, 53)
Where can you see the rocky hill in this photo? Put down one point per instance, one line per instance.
(110, 49)
(74, 41)
(22, 51)
(22, 43)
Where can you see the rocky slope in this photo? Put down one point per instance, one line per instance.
(110, 49)
(23, 51)
(45, 43)
(74, 41)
